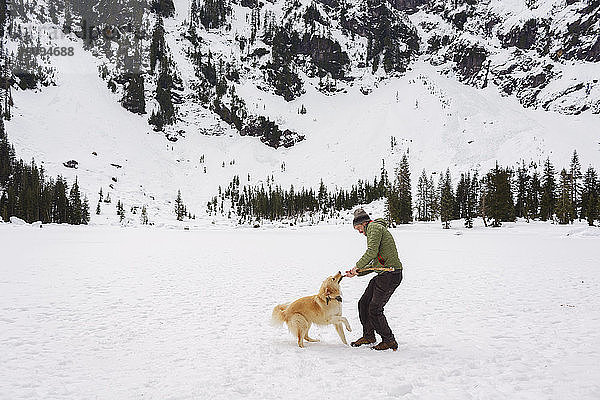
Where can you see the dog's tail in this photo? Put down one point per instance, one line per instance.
(278, 316)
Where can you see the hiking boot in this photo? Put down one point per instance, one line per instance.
(363, 340)
(387, 345)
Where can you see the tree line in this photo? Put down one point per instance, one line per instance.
(272, 202)
(503, 194)
(27, 193)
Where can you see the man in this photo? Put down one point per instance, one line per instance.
(381, 257)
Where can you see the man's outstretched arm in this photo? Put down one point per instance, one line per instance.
(373, 241)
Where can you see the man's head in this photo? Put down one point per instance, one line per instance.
(362, 228)
(360, 221)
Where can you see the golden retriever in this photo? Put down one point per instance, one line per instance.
(323, 308)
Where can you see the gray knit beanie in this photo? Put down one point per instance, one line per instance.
(360, 216)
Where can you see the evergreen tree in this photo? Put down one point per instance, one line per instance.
(166, 112)
(167, 84)
(6, 101)
(406, 210)
(144, 216)
(564, 207)
(590, 195)
(281, 69)
(75, 205)
(534, 189)
(548, 190)
(446, 199)
(575, 172)
(158, 46)
(522, 183)
(434, 199)
(85, 211)
(165, 8)
(120, 211)
(462, 189)
(179, 207)
(98, 208)
(424, 211)
(52, 11)
(213, 13)
(322, 195)
(67, 25)
(4, 13)
(193, 15)
(134, 98)
(4, 207)
(499, 199)
(384, 35)
(384, 182)
(400, 196)
(392, 205)
(7, 156)
(471, 201)
(60, 202)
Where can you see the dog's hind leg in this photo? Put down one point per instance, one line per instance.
(340, 330)
(307, 338)
(298, 325)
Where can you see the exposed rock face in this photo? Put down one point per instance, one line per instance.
(582, 37)
(524, 52)
(26, 80)
(71, 164)
(469, 59)
(330, 3)
(533, 34)
(540, 53)
(530, 62)
(325, 54)
(392, 39)
(133, 99)
(248, 3)
(408, 6)
(524, 79)
(270, 134)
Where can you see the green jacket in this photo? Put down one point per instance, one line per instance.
(381, 254)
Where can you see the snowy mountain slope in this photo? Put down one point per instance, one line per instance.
(347, 132)
(345, 142)
(543, 52)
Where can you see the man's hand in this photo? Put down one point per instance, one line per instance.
(351, 273)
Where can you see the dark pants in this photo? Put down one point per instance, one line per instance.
(370, 306)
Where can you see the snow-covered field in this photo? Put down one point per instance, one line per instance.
(132, 313)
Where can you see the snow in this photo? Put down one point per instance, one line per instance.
(17, 221)
(121, 313)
